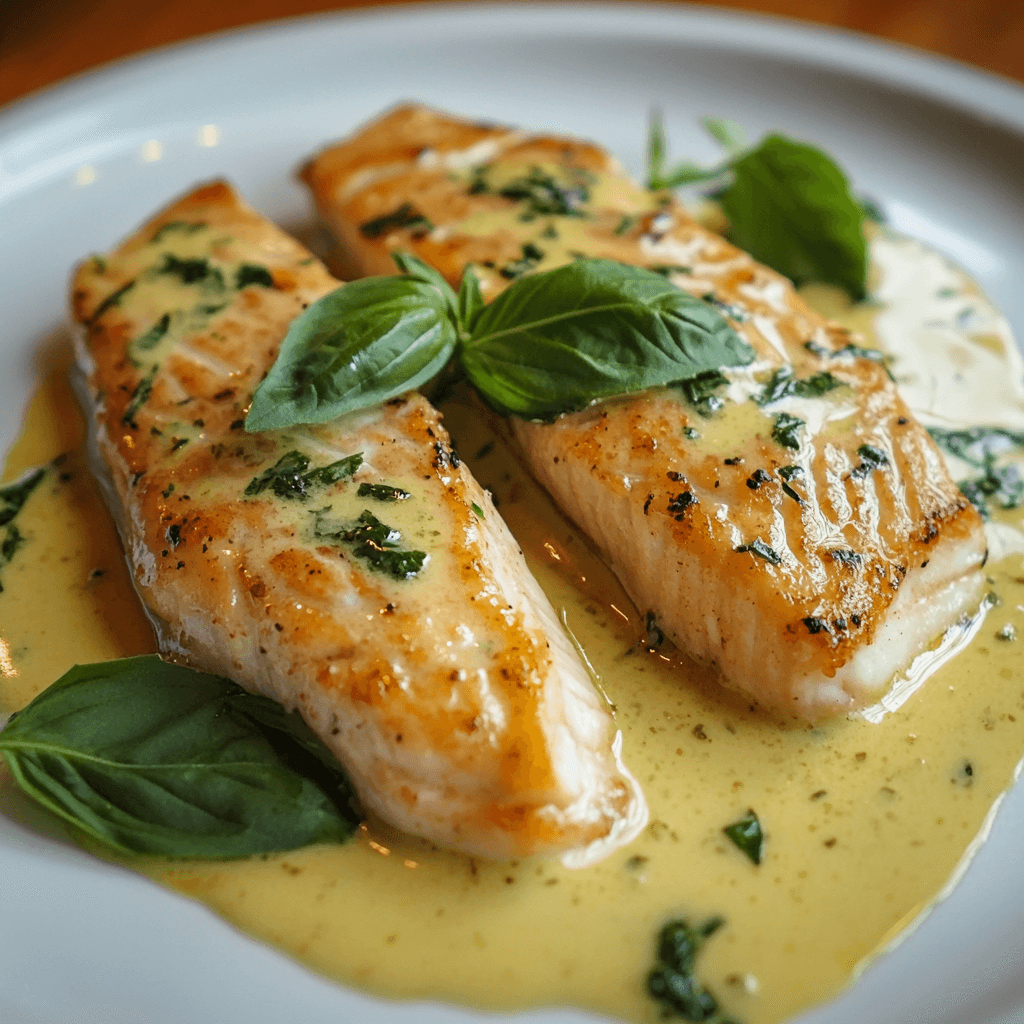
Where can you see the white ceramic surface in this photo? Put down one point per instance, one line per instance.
(939, 146)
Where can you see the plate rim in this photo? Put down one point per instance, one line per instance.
(920, 68)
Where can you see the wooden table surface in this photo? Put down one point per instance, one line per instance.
(43, 41)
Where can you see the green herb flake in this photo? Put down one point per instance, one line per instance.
(194, 270)
(13, 496)
(530, 258)
(871, 458)
(114, 299)
(544, 196)
(624, 224)
(375, 542)
(382, 492)
(253, 274)
(479, 512)
(673, 981)
(785, 430)
(153, 336)
(762, 550)
(156, 759)
(700, 392)
(288, 478)
(139, 397)
(782, 384)
(406, 216)
(173, 227)
(747, 836)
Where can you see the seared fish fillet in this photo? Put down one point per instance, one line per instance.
(408, 632)
(807, 544)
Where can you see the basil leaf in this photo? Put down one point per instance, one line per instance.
(157, 759)
(561, 340)
(471, 300)
(415, 268)
(673, 981)
(728, 134)
(362, 344)
(790, 206)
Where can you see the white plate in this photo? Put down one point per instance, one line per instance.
(940, 146)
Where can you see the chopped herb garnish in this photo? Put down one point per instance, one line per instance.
(691, 434)
(871, 458)
(762, 550)
(192, 271)
(251, 273)
(139, 397)
(758, 477)
(406, 216)
(700, 392)
(673, 981)
(788, 472)
(624, 224)
(1003, 483)
(183, 227)
(375, 542)
(174, 534)
(13, 496)
(859, 352)
(477, 509)
(746, 834)
(665, 269)
(785, 429)
(382, 492)
(288, 478)
(729, 309)
(782, 384)
(530, 258)
(153, 336)
(114, 299)
(543, 195)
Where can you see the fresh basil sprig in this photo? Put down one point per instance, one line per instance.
(157, 759)
(357, 346)
(553, 342)
(788, 204)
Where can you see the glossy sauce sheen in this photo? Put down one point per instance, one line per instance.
(865, 823)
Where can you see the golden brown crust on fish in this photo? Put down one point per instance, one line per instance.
(449, 692)
(807, 565)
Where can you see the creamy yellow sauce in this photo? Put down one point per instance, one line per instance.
(865, 821)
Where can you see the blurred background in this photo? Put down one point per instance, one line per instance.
(43, 41)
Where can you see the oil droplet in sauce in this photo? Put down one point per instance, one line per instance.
(865, 819)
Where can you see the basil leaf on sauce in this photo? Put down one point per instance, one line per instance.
(673, 981)
(357, 346)
(747, 836)
(152, 758)
(788, 204)
(560, 340)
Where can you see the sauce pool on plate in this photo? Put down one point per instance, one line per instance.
(865, 819)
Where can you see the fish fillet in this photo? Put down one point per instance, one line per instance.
(425, 657)
(808, 565)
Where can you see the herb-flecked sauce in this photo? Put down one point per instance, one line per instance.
(864, 819)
